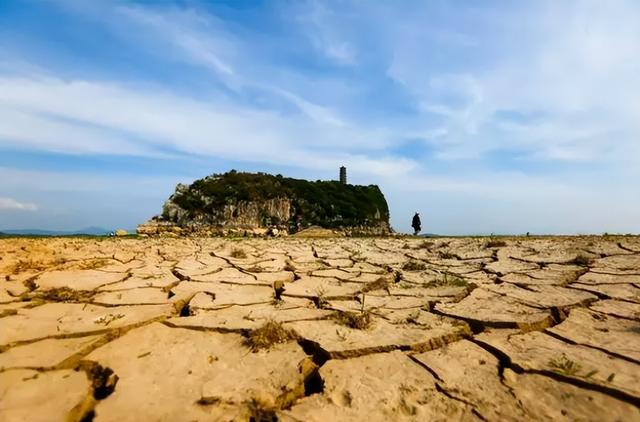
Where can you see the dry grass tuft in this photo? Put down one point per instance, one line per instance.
(380, 284)
(565, 365)
(581, 260)
(414, 266)
(93, 264)
(64, 294)
(31, 265)
(358, 321)
(238, 253)
(449, 280)
(446, 255)
(270, 334)
(255, 269)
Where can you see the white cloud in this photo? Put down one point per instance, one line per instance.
(321, 26)
(194, 36)
(574, 62)
(10, 204)
(85, 117)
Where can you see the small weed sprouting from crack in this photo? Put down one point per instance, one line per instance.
(414, 266)
(238, 253)
(278, 289)
(447, 279)
(208, 401)
(270, 334)
(64, 294)
(93, 264)
(582, 261)
(320, 301)
(108, 319)
(413, 317)
(357, 321)
(446, 255)
(31, 265)
(255, 269)
(591, 373)
(565, 365)
(381, 283)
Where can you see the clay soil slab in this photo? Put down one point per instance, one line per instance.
(618, 308)
(381, 387)
(471, 373)
(550, 400)
(598, 278)
(271, 277)
(77, 279)
(490, 309)
(544, 296)
(177, 374)
(321, 286)
(58, 319)
(138, 281)
(614, 291)
(506, 266)
(554, 274)
(224, 294)
(45, 353)
(620, 264)
(537, 351)
(33, 396)
(229, 275)
(609, 333)
(344, 342)
(144, 295)
(333, 272)
(246, 317)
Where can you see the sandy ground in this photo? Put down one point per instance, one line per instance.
(365, 329)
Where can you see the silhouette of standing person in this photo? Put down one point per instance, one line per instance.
(416, 224)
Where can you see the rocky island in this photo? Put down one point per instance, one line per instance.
(236, 203)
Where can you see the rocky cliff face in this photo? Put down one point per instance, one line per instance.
(241, 203)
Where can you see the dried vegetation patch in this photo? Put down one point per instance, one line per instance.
(355, 320)
(238, 253)
(414, 266)
(64, 294)
(270, 334)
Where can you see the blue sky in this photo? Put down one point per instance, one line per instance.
(493, 116)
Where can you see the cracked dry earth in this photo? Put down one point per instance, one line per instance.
(365, 329)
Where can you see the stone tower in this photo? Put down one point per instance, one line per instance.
(343, 175)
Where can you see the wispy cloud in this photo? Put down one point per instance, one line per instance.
(573, 62)
(10, 204)
(85, 117)
(323, 29)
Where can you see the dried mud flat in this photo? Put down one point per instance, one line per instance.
(365, 329)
